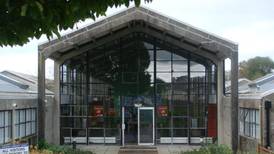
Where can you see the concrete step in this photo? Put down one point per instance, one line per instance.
(138, 150)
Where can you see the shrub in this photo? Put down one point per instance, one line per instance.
(59, 149)
(211, 149)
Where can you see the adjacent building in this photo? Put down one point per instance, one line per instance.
(256, 113)
(140, 78)
(18, 107)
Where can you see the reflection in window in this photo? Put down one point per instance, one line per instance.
(93, 89)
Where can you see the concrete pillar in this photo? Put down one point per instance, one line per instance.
(41, 96)
(56, 106)
(220, 89)
(13, 114)
(234, 102)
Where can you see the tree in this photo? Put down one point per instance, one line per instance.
(256, 67)
(22, 20)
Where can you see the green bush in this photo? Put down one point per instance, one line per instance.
(59, 149)
(211, 149)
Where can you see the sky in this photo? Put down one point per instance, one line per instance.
(250, 23)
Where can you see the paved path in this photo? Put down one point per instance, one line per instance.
(113, 149)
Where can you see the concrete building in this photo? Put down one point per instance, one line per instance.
(18, 107)
(256, 114)
(140, 78)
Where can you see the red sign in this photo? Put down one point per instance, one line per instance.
(162, 110)
(98, 110)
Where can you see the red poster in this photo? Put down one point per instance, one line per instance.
(162, 110)
(98, 111)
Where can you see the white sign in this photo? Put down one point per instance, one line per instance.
(15, 149)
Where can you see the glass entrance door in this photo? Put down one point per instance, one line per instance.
(145, 126)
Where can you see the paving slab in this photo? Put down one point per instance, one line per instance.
(113, 149)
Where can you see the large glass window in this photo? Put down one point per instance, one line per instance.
(250, 122)
(136, 68)
(5, 126)
(25, 122)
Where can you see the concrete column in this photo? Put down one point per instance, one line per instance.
(234, 102)
(13, 114)
(56, 106)
(220, 89)
(41, 96)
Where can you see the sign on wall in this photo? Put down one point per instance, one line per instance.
(15, 149)
(163, 110)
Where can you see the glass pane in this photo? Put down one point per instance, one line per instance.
(179, 132)
(7, 134)
(17, 131)
(33, 127)
(163, 66)
(178, 57)
(146, 126)
(22, 116)
(179, 66)
(163, 133)
(22, 130)
(28, 115)
(2, 119)
(163, 121)
(179, 77)
(196, 67)
(180, 122)
(163, 77)
(1, 135)
(163, 55)
(28, 128)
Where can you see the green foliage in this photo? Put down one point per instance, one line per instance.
(256, 67)
(211, 149)
(43, 145)
(25, 19)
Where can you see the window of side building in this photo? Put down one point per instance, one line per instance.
(5, 126)
(250, 122)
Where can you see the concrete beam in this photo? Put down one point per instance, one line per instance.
(234, 103)
(41, 96)
(144, 29)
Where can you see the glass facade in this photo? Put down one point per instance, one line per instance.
(131, 71)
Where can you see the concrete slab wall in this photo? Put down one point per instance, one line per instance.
(248, 144)
(226, 121)
(49, 119)
(8, 104)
